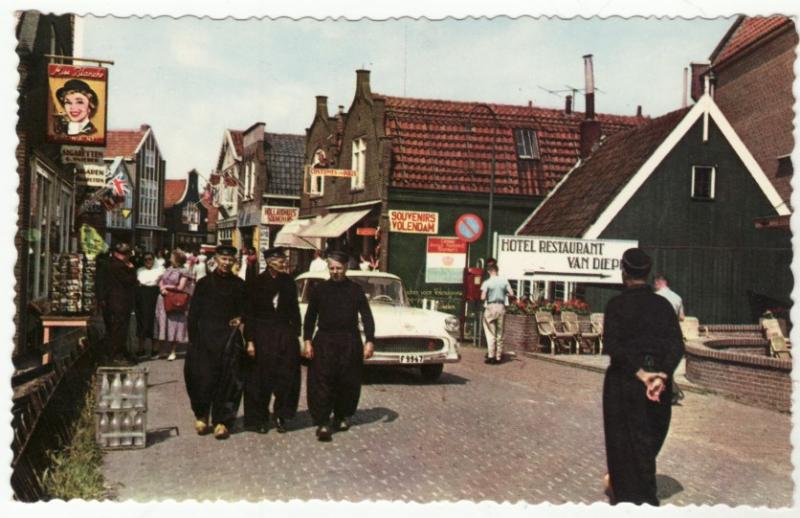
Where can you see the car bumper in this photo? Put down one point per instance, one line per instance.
(450, 354)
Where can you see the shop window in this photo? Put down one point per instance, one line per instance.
(316, 184)
(703, 182)
(527, 145)
(359, 164)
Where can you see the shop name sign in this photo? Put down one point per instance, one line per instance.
(278, 215)
(92, 176)
(561, 259)
(413, 222)
(339, 173)
(82, 155)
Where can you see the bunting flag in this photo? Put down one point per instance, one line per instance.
(92, 242)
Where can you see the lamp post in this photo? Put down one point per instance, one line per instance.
(493, 113)
(491, 196)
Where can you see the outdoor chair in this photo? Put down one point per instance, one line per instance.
(569, 321)
(554, 333)
(771, 327)
(690, 327)
(779, 348)
(597, 324)
(589, 336)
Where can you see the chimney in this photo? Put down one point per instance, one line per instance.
(322, 107)
(639, 111)
(588, 72)
(144, 127)
(590, 129)
(341, 109)
(698, 70)
(684, 100)
(362, 84)
(568, 106)
(530, 103)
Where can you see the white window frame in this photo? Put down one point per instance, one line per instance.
(359, 164)
(712, 187)
(316, 184)
(530, 143)
(150, 158)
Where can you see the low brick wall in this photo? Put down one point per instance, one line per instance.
(739, 367)
(520, 333)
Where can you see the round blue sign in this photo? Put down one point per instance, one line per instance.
(469, 227)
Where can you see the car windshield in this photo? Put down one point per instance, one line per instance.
(379, 290)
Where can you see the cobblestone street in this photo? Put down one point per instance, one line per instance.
(525, 430)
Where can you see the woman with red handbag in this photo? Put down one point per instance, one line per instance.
(173, 303)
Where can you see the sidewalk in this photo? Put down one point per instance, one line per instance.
(599, 363)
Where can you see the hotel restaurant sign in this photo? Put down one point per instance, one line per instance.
(561, 259)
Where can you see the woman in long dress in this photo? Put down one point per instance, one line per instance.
(173, 327)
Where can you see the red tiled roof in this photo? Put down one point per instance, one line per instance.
(433, 147)
(173, 192)
(123, 142)
(745, 32)
(572, 208)
(236, 137)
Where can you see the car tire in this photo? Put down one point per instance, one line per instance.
(432, 371)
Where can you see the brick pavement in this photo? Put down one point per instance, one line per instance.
(525, 430)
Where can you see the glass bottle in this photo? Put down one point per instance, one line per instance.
(139, 388)
(138, 439)
(127, 392)
(126, 439)
(103, 429)
(102, 398)
(116, 389)
(114, 431)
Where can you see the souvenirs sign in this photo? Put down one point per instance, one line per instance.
(76, 105)
(445, 260)
(413, 222)
(339, 173)
(278, 215)
(561, 259)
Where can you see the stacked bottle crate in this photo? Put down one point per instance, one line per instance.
(121, 407)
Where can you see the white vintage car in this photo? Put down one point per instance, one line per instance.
(403, 335)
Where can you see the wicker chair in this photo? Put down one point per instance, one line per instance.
(570, 324)
(597, 324)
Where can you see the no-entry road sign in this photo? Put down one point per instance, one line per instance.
(469, 227)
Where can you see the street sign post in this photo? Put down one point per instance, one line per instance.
(469, 227)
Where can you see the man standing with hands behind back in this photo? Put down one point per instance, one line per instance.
(336, 353)
(643, 338)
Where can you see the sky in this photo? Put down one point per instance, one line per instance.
(191, 78)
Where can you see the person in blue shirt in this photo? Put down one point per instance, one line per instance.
(494, 293)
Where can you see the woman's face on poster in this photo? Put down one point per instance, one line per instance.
(77, 106)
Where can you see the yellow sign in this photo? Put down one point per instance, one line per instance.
(125, 212)
(340, 173)
(413, 222)
(76, 106)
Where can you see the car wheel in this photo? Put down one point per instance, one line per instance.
(431, 372)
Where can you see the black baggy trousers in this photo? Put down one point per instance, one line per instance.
(334, 375)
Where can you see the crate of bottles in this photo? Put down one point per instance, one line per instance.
(121, 407)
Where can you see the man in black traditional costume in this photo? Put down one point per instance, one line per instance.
(643, 338)
(115, 298)
(213, 358)
(272, 329)
(336, 353)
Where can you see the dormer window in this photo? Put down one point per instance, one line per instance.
(527, 145)
(703, 182)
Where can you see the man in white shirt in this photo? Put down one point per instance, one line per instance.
(319, 264)
(494, 291)
(661, 285)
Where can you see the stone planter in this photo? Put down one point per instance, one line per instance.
(520, 333)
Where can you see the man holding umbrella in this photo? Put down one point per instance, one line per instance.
(336, 352)
(212, 360)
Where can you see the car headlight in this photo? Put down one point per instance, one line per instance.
(452, 325)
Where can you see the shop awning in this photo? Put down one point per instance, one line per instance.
(333, 224)
(287, 236)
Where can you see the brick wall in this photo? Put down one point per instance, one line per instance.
(758, 380)
(755, 94)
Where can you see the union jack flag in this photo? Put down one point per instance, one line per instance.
(118, 186)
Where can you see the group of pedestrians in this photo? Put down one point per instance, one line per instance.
(244, 341)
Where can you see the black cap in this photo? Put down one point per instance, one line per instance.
(76, 85)
(636, 263)
(277, 251)
(122, 248)
(226, 250)
(339, 256)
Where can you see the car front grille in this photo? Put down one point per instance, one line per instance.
(408, 345)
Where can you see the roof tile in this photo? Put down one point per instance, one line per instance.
(746, 32)
(588, 189)
(173, 192)
(448, 145)
(123, 143)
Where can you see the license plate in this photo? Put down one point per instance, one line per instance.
(410, 358)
